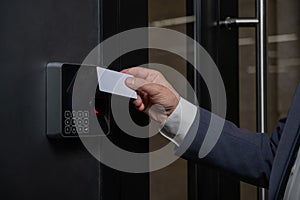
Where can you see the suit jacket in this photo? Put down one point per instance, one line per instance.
(251, 157)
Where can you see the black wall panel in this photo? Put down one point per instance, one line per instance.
(33, 33)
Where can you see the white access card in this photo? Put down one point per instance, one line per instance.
(114, 82)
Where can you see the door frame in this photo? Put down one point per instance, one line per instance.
(204, 182)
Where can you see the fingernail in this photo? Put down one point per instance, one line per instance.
(129, 81)
(124, 70)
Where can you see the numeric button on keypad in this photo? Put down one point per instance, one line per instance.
(79, 114)
(68, 122)
(79, 129)
(67, 130)
(86, 129)
(74, 130)
(68, 114)
(74, 113)
(86, 114)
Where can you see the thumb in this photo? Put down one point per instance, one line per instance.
(135, 83)
(143, 85)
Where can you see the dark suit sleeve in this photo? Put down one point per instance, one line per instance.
(239, 152)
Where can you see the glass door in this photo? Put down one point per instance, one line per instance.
(234, 50)
(197, 19)
(283, 71)
(171, 181)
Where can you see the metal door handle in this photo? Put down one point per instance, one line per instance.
(259, 22)
(239, 22)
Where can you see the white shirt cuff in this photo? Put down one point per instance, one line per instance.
(176, 126)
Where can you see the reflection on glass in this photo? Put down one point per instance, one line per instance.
(283, 69)
(170, 182)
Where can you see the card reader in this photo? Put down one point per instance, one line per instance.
(62, 120)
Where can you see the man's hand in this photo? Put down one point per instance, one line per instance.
(156, 96)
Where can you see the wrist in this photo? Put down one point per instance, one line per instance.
(178, 123)
(173, 106)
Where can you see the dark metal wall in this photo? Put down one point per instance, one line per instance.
(32, 34)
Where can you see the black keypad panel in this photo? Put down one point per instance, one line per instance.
(76, 122)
